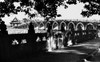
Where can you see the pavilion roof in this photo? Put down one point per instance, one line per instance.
(15, 21)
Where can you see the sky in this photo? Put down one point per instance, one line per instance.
(72, 12)
(1, 0)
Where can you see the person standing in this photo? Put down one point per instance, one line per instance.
(3, 28)
(31, 37)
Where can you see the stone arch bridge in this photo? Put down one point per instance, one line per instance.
(82, 31)
(67, 25)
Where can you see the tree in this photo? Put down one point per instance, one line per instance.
(7, 7)
(92, 7)
(47, 8)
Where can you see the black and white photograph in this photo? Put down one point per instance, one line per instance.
(49, 31)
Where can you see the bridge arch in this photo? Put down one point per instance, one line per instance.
(55, 25)
(48, 26)
(71, 26)
(90, 26)
(80, 26)
(41, 24)
(63, 25)
(48, 23)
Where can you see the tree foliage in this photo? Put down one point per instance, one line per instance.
(7, 7)
(47, 8)
(93, 7)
